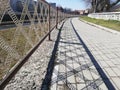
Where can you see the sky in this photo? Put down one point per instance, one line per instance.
(73, 4)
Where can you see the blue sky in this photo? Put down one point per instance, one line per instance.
(73, 4)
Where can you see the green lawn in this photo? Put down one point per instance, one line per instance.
(113, 24)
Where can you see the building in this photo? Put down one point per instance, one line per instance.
(86, 12)
(67, 10)
(53, 5)
(83, 12)
(18, 7)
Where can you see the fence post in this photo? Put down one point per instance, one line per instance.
(57, 18)
(49, 24)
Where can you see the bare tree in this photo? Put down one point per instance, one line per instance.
(102, 5)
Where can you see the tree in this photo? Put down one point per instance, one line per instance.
(102, 5)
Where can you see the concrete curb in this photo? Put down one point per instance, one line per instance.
(101, 27)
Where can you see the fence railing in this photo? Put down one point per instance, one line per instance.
(23, 27)
(106, 16)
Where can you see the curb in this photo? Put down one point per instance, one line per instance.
(101, 27)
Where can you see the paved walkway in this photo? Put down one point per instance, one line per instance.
(88, 58)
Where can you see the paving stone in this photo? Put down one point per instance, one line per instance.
(79, 80)
(60, 87)
(54, 86)
(87, 74)
(104, 47)
(55, 71)
(116, 82)
(104, 43)
(110, 63)
(94, 74)
(76, 65)
(72, 86)
(110, 72)
(62, 68)
(61, 83)
(71, 79)
(104, 64)
(69, 62)
(117, 71)
(102, 87)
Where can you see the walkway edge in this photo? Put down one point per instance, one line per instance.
(102, 27)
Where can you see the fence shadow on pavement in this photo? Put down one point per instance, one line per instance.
(97, 66)
(47, 80)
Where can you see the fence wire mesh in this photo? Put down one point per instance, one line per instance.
(23, 23)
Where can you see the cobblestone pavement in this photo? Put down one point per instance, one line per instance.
(88, 58)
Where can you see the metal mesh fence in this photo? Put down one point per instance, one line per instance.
(23, 23)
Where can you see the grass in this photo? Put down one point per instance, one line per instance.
(22, 46)
(8, 36)
(112, 24)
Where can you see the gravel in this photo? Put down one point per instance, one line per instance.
(31, 75)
